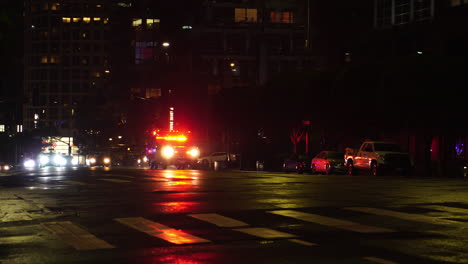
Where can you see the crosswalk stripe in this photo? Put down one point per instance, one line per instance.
(219, 220)
(264, 232)
(115, 180)
(400, 215)
(333, 222)
(74, 182)
(302, 242)
(75, 236)
(161, 231)
(446, 208)
(379, 260)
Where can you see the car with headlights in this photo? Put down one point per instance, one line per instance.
(327, 162)
(50, 159)
(5, 166)
(98, 160)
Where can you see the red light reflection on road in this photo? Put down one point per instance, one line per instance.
(195, 258)
(177, 207)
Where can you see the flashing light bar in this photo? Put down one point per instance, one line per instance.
(180, 138)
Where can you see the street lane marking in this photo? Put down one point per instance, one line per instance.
(160, 231)
(379, 260)
(446, 208)
(400, 215)
(219, 220)
(75, 236)
(333, 222)
(74, 182)
(264, 232)
(302, 242)
(115, 180)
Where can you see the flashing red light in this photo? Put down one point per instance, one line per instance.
(180, 138)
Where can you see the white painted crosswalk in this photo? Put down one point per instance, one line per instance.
(401, 215)
(76, 236)
(79, 238)
(332, 222)
(161, 231)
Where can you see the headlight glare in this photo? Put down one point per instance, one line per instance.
(167, 152)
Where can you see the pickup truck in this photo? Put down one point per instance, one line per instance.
(378, 157)
(207, 162)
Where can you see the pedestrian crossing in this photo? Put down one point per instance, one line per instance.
(209, 228)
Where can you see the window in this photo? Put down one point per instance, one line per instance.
(136, 23)
(143, 51)
(402, 11)
(2, 128)
(86, 19)
(281, 17)
(76, 19)
(456, 2)
(245, 15)
(152, 23)
(153, 92)
(66, 19)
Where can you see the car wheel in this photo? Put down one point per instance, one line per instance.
(299, 169)
(373, 168)
(327, 169)
(205, 164)
(350, 168)
(313, 170)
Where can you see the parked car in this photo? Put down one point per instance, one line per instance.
(328, 162)
(378, 157)
(296, 163)
(207, 162)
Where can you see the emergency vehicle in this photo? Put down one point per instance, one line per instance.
(172, 148)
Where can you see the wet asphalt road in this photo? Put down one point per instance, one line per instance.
(123, 215)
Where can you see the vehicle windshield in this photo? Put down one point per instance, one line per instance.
(387, 147)
(335, 155)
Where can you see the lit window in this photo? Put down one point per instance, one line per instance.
(86, 19)
(98, 5)
(152, 23)
(136, 22)
(281, 17)
(456, 2)
(44, 59)
(76, 19)
(245, 15)
(66, 19)
(106, 20)
(97, 19)
(54, 59)
(2, 128)
(54, 6)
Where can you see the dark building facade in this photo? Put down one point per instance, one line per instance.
(66, 65)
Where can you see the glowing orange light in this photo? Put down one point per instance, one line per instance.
(180, 138)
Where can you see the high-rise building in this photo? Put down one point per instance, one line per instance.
(66, 65)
